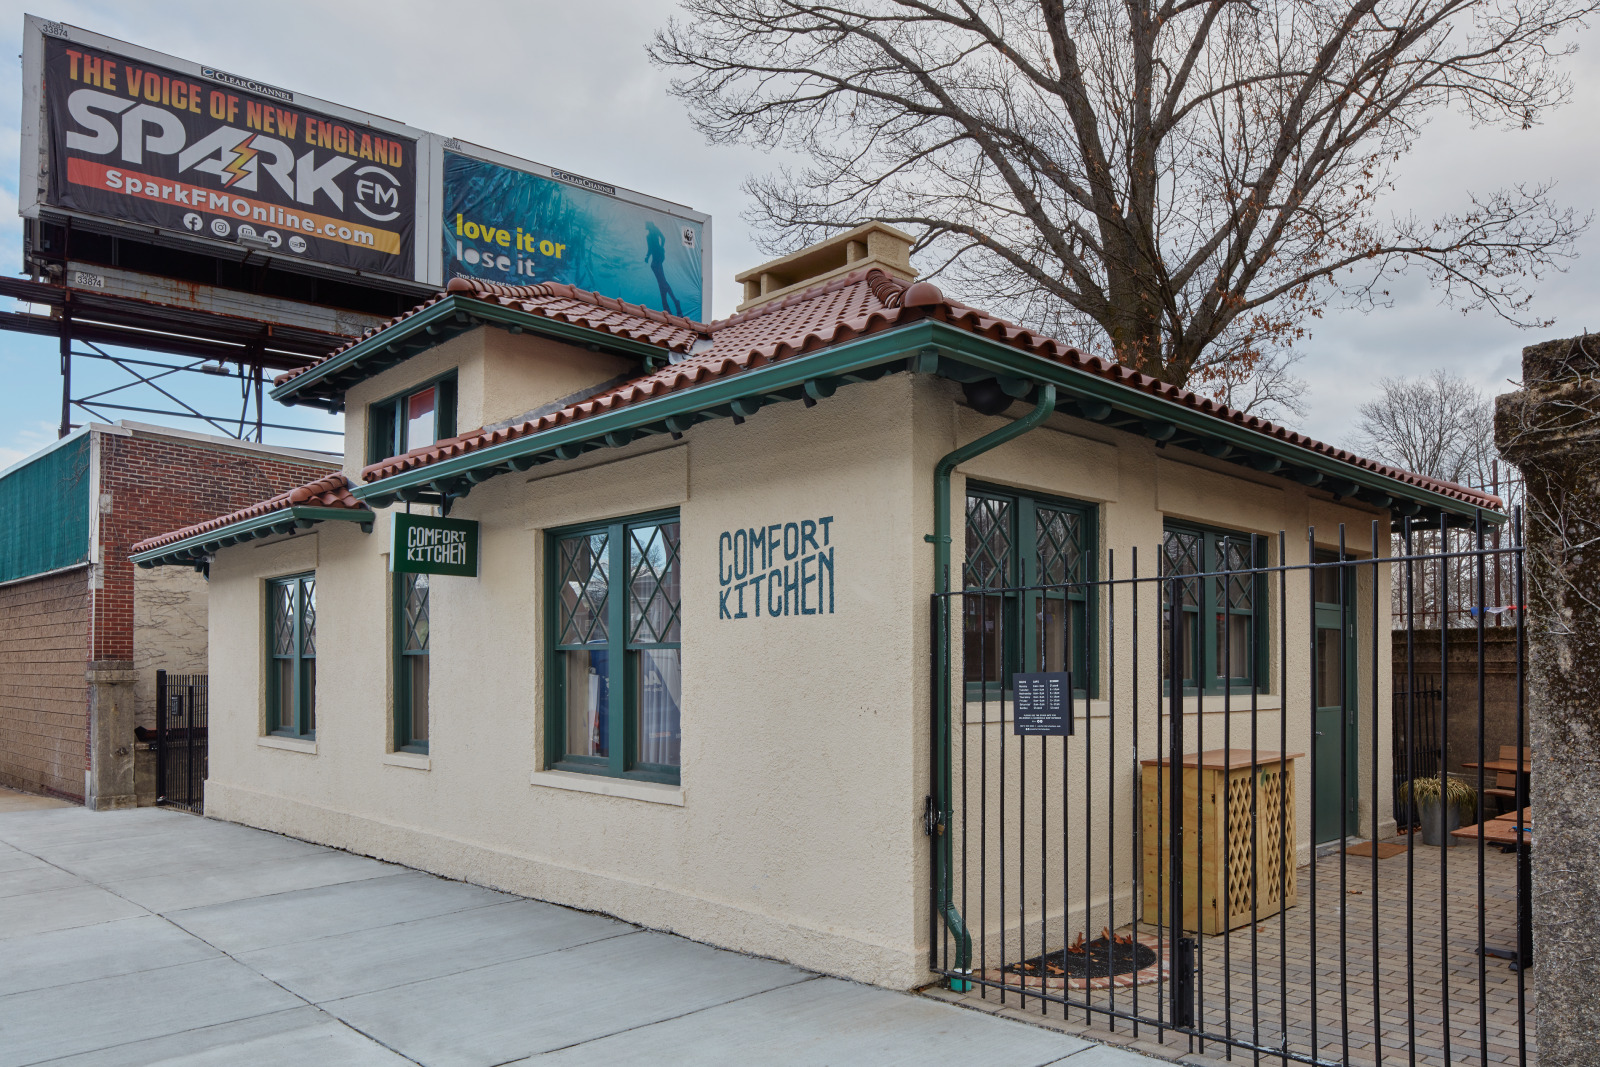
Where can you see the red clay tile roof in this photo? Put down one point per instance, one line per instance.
(332, 491)
(845, 308)
(562, 303)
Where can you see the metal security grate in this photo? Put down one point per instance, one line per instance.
(182, 714)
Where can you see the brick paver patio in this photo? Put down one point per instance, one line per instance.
(1377, 1020)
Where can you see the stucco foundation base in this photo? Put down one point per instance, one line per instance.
(656, 907)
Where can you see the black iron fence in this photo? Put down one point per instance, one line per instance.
(1165, 799)
(181, 740)
(1415, 727)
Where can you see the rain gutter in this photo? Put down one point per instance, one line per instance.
(943, 865)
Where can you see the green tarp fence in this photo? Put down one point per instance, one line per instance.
(44, 512)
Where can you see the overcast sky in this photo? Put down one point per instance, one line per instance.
(569, 85)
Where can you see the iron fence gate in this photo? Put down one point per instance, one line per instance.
(181, 715)
(1164, 799)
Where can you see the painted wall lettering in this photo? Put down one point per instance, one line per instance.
(778, 570)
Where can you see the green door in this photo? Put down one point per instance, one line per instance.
(1334, 694)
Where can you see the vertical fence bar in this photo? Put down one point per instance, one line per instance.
(1444, 771)
(1182, 1010)
(1311, 624)
(161, 736)
(1111, 765)
(1483, 958)
(1347, 592)
(1372, 814)
(1258, 595)
(1137, 853)
(1521, 800)
(1227, 802)
(1411, 798)
(1284, 863)
(983, 786)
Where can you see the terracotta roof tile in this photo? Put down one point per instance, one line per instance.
(843, 309)
(558, 302)
(332, 491)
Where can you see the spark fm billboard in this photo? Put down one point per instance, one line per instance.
(142, 143)
(123, 137)
(505, 224)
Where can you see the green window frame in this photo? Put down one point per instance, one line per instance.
(1223, 618)
(614, 704)
(391, 429)
(1028, 580)
(292, 656)
(411, 662)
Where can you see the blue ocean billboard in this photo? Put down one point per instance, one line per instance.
(502, 224)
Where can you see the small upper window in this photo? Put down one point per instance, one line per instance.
(1221, 618)
(413, 419)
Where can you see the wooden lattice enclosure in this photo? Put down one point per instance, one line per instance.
(1252, 877)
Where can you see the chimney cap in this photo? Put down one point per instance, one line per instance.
(872, 244)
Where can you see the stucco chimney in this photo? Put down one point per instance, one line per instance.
(874, 244)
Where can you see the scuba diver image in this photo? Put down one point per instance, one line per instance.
(656, 254)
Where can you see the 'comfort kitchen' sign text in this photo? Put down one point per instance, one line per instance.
(782, 569)
(424, 544)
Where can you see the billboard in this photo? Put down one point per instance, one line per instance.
(226, 159)
(176, 154)
(511, 224)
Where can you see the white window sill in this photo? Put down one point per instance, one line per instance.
(649, 792)
(288, 744)
(417, 761)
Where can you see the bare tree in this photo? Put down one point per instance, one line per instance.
(1185, 182)
(1439, 425)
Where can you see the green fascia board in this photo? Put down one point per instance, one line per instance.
(863, 354)
(190, 549)
(454, 315)
(999, 358)
(920, 339)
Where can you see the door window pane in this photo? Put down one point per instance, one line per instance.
(1330, 669)
(420, 418)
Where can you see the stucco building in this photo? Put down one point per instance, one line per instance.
(689, 683)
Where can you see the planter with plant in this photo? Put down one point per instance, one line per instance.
(1442, 807)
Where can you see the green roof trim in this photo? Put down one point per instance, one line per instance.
(324, 384)
(926, 346)
(194, 551)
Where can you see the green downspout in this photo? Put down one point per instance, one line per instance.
(944, 867)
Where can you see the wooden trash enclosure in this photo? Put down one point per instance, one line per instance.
(1222, 893)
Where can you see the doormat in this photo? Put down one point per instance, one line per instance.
(1386, 849)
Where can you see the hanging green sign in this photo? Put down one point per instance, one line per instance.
(424, 544)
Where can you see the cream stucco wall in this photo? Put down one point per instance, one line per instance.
(499, 375)
(796, 832)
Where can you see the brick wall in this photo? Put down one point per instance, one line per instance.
(52, 628)
(151, 485)
(43, 695)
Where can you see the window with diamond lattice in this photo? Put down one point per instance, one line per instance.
(1221, 599)
(411, 597)
(292, 656)
(1028, 599)
(616, 662)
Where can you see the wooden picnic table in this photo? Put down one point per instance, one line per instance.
(1525, 817)
(1509, 766)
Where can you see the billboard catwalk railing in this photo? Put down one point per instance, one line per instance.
(1207, 854)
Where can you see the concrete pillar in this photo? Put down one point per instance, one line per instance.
(1551, 430)
(110, 781)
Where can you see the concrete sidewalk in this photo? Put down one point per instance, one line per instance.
(151, 936)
